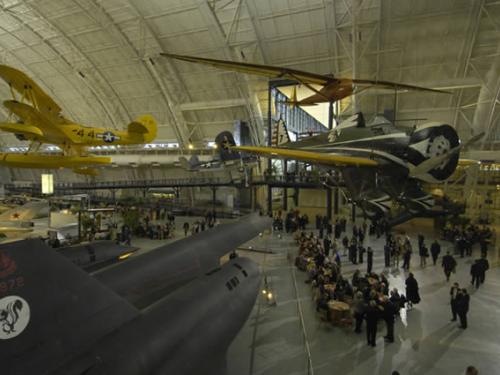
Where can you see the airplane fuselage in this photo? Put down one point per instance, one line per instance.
(182, 340)
(79, 135)
(397, 152)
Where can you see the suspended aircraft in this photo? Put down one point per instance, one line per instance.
(40, 121)
(169, 311)
(380, 163)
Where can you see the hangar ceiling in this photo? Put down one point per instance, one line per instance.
(100, 59)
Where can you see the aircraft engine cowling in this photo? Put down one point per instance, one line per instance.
(433, 140)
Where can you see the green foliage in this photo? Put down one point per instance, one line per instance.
(131, 217)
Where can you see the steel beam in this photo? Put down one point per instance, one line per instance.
(252, 104)
(115, 98)
(105, 20)
(215, 104)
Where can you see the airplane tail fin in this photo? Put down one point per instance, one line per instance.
(280, 134)
(190, 165)
(144, 126)
(224, 142)
(50, 310)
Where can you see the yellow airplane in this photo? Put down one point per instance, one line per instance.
(41, 121)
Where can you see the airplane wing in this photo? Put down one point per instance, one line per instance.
(27, 113)
(468, 162)
(29, 89)
(363, 84)
(21, 129)
(334, 88)
(335, 160)
(258, 69)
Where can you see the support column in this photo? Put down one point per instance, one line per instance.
(285, 190)
(269, 143)
(336, 201)
(328, 189)
(353, 212)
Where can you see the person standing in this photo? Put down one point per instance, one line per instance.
(361, 252)
(371, 316)
(186, 228)
(453, 300)
(397, 253)
(463, 307)
(337, 229)
(412, 294)
(369, 260)
(483, 243)
(406, 257)
(326, 245)
(389, 315)
(435, 250)
(424, 253)
(474, 272)
(484, 266)
(358, 309)
(387, 255)
(448, 263)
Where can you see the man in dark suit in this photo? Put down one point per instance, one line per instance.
(369, 260)
(484, 266)
(435, 250)
(448, 263)
(453, 300)
(463, 307)
(389, 315)
(387, 255)
(326, 245)
(474, 272)
(372, 314)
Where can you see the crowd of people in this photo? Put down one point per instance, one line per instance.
(368, 294)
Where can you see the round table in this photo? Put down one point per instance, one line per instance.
(338, 310)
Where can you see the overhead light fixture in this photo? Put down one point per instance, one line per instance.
(190, 146)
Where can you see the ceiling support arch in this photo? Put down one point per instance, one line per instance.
(252, 105)
(102, 86)
(100, 15)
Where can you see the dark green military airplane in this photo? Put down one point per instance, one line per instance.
(379, 162)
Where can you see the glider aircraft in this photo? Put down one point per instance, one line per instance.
(40, 121)
(380, 162)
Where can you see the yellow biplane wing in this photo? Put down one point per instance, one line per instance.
(21, 129)
(25, 112)
(334, 160)
(35, 123)
(29, 90)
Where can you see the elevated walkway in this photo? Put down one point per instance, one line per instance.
(273, 181)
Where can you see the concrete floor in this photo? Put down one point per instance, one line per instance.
(273, 340)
